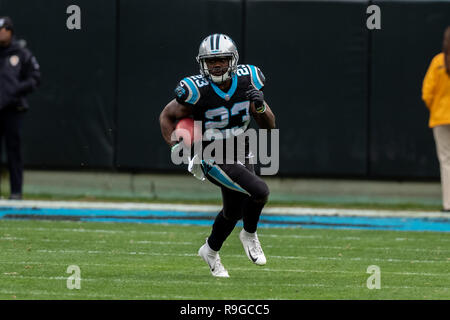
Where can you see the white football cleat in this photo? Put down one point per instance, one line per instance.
(212, 258)
(252, 247)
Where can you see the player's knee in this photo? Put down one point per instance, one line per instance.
(262, 194)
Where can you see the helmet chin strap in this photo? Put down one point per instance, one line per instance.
(220, 79)
(217, 79)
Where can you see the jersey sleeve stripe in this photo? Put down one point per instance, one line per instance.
(189, 90)
(256, 81)
(194, 94)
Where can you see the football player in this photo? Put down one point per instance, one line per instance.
(223, 97)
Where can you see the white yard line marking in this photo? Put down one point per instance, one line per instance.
(45, 263)
(361, 272)
(349, 249)
(108, 205)
(294, 236)
(224, 283)
(264, 269)
(135, 241)
(130, 241)
(90, 295)
(216, 208)
(90, 230)
(12, 238)
(164, 242)
(353, 212)
(121, 280)
(114, 252)
(360, 259)
(261, 235)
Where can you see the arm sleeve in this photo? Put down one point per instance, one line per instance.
(187, 92)
(257, 77)
(429, 84)
(30, 76)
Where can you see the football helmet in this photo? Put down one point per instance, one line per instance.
(218, 45)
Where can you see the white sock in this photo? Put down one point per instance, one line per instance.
(211, 251)
(248, 234)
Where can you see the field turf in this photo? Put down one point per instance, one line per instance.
(148, 261)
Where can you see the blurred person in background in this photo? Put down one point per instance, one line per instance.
(436, 95)
(19, 75)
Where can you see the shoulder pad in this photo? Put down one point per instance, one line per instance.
(257, 77)
(188, 89)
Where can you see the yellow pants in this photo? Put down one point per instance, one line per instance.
(442, 139)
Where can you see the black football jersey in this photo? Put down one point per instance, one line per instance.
(228, 112)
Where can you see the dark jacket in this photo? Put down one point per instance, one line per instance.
(19, 75)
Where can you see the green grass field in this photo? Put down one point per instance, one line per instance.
(145, 261)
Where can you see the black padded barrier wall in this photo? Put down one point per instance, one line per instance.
(313, 54)
(158, 45)
(71, 120)
(411, 34)
(347, 100)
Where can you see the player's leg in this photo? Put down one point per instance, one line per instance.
(243, 179)
(253, 205)
(212, 258)
(12, 133)
(442, 138)
(233, 203)
(252, 209)
(223, 226)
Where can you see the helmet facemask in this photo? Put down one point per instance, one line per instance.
(218, 79)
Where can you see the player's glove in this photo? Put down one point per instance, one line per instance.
(257, 97)
(194, 164)
(177, 148)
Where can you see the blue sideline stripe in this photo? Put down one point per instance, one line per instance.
(206, 219)
(95, 212)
